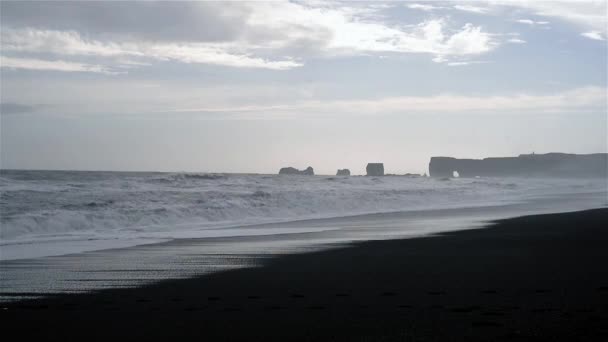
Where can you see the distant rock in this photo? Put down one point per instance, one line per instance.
(343, 172)
(375, 169)
(560, 165)
(309, 171)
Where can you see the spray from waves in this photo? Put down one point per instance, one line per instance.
(47, 205)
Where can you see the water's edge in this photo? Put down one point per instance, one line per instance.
(188, 257)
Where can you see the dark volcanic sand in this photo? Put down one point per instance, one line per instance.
(525, 279)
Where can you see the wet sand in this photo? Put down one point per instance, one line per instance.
(532, 278)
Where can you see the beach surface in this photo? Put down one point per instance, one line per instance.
(531, 278)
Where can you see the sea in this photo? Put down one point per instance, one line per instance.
(73, 231)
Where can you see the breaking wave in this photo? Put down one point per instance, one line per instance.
(47, 205)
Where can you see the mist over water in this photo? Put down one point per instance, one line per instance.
(114, 209)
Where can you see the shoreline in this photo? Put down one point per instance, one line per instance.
(537, 204)
(535, 277)
(95, 210)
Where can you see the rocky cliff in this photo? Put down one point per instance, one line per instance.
(525, 165)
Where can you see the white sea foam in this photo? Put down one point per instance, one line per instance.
(55, 206)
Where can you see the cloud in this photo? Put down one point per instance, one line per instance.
(267, 34)
(516, 41)
(588, 15)
(460, 7)
(466, 63)
(355, 31)
(439, 59)
(72, 43)
(62, 42)
(473, 9)
(160, 21)
(531, 22)
(54, 65)
(219, 55)
(595, 35)
(424, 7)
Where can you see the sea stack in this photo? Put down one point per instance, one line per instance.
(309, 171)
(343, 172)
(375, 169)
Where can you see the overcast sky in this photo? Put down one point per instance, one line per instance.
(255, 86)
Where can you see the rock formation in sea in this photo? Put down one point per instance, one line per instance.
(525, 165)
(375, 169)
(309, 171)
(343, 172)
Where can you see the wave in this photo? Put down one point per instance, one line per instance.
(127, 205)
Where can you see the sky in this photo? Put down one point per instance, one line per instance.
(256, 86)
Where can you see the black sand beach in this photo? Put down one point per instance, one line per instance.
(534, 278)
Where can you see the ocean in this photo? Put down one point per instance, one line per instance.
(119, 209)
(68, 231)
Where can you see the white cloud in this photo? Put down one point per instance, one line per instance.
(461, 7)
(525, 21)
(423, 7)
(344, 30)
(589, 15)
(272, 29)
(531, 22)
(516, 41)
(470, 40)
(55, 65)
(210, 54)
(60, 42)
(469, 8)
(466, 63)
(439, 59)
(269, 34)
(596, 35)
(72, 43)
